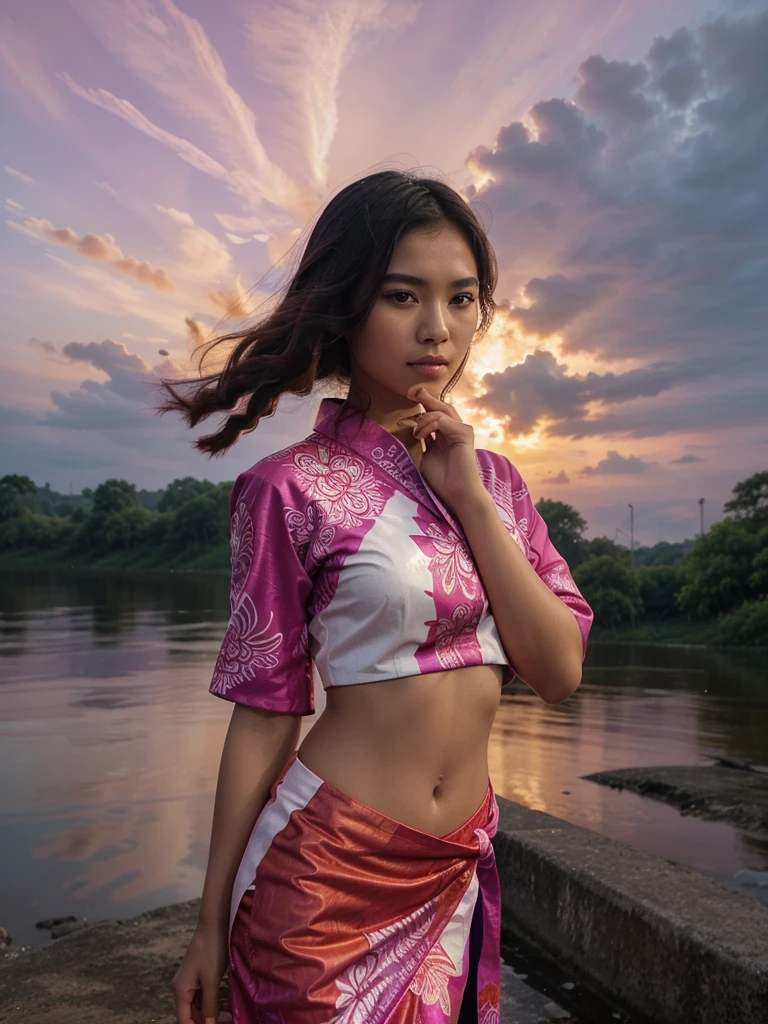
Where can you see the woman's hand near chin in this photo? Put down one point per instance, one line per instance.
(449, 464)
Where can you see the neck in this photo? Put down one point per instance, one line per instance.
(387, 416)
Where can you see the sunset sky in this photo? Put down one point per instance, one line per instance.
(159, 159)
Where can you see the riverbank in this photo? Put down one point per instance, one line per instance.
(713, 792)
(673, 631)
(121, 971)
(661, 942)
(215, 561)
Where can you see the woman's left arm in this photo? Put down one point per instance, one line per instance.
(539, 632)
(543, 641)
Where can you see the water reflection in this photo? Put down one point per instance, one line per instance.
(112, 742)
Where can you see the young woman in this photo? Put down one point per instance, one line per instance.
(354, 880)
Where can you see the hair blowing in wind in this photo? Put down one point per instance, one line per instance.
(302, 341)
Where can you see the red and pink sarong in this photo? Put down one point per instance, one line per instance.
(343, 914)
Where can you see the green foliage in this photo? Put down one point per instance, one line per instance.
(565, 527)
(659, 587)
(745, 626)
(112, 496)
(759, 576)
(13, 489)
(33, 531)
(611, 588)
(125, 528)
(750, 498)
(662, 553)
(200, 522)
(183, 489)
(600, 547)
(718, 570)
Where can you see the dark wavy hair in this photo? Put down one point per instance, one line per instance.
(302, 340)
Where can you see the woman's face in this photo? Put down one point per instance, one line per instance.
(438, 315)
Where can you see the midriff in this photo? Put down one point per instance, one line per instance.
(414, 748)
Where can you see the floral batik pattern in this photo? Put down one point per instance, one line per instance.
(250, 643)
(458, 595)
(369, 987)
(343, 485)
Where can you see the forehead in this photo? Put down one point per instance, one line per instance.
(443, 250)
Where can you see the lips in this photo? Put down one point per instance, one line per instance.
(429, 362)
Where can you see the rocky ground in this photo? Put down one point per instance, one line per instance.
(121, 971)
(716, 792)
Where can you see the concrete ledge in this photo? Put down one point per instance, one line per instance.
(663, 941)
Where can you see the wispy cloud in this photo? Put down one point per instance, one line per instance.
(615, 463)
(686, 460)
(299, 49)
(25, 179)
(88, 286)
(170, 51)
(125, 399)
(101, 248)
(23, 72)
(128, 112)
(559, 479)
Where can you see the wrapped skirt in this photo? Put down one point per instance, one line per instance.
(342, 914)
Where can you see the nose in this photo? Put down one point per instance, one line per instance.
(433, 325)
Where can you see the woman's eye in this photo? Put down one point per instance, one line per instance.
(470, 298)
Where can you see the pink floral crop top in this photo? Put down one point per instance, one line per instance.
(345, 561)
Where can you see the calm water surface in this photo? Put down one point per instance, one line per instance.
(110, 743)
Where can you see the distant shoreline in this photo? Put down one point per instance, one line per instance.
(118, 561)
(676, 632)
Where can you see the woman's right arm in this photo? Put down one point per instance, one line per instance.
(256, 748)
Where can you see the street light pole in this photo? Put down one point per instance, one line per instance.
(701, 515)
(632, 534)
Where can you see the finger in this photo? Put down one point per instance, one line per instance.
(183, 995)
(210, 1003)
(427, 399)
(428, 424)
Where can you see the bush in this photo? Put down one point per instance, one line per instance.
(200, 523)
(36, 531)
(659, 587)
(718, 569)
(127, 528)
(612, 590)
(746, 626)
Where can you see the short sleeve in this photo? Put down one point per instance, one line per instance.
(264, 660)
(547, 560)
(527, 527)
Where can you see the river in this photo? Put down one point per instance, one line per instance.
(110, 742)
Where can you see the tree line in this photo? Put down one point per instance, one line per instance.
(718, 581)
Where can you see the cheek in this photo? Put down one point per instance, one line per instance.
(383, 342)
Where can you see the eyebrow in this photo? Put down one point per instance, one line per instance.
(463, 282)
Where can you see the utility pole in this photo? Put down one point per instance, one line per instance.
(701, 515)
(632, 534)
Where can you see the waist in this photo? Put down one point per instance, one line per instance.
(414, 748)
